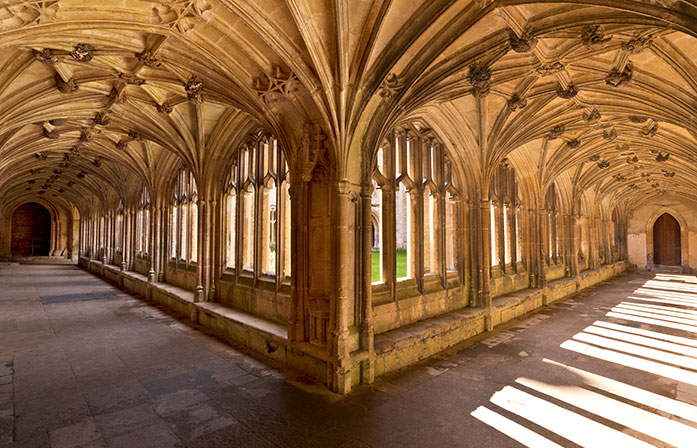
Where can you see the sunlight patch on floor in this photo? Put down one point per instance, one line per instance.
(666, 303)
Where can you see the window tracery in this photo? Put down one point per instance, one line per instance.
(257, 209)
(415, 204)
(184, 218)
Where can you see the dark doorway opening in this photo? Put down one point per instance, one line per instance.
(666, 241)
(31, 230)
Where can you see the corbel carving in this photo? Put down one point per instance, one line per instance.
(57, 121)
(649, 130)
(45, 56)
(618, 177)
(662, 157)
(633, 160)
(164, 108)
(567, 93)
(51, 135)
(98, 161)
(522, 44)
(130, 78)
(194, 90)
(637, 45)
(594, 157)
(148, 59)
(610, 135)
(516, 102)
(133, 135)
(603, 164)
(591, 117)
(549, 69)
(573, 143)
(667, 173)
(65, 86)
(617, 78)
(82, 52)
(116, 96)
(556, 132)
(279, 84)
(41, 155)
(121, 144)
(480, 77)
(101, 118)
(314, 157)
(389, 87)
(592, 37)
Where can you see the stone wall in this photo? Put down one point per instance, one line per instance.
(31, 230)
(640, 227)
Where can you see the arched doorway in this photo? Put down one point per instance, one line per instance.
(31, 230)
(666, 241)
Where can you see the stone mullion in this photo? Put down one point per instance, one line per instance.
(164, 238)
(133, 246)
(573, 245)
(215, 243)
(541, 229)
(366, 326)
(499, 210)
(389, 238)
(513, 236)
(124, 222)
(153, 244)
(469, 245)
(199, 292)
(389, 215)
(484, 288)
(416, 197)
(593, 243)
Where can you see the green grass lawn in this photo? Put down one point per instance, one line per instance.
(401, 265)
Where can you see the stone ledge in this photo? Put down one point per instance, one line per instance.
(257, 333)
(411, 343)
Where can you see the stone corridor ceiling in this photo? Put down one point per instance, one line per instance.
(97, 98)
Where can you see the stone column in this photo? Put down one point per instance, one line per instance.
(366, 327)
(346, 199)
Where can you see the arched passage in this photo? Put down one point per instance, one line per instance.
(666, 241)
(31, 230)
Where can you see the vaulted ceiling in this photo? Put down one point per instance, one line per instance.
(98, 99)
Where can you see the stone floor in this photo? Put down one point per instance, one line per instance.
(84, 364)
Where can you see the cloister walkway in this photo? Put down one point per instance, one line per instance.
(85, 364)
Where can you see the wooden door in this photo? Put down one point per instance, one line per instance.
(666, 241)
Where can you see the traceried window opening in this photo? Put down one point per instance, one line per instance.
(248, 228)
(506, 231)
(413, 192)
(119, 231)
(503, 194)
(143, 224)
(552, 224)
(258, 207)
(184, 218)
(492, 217)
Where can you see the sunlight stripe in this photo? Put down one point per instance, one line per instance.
(515, 431)
(570, 425)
